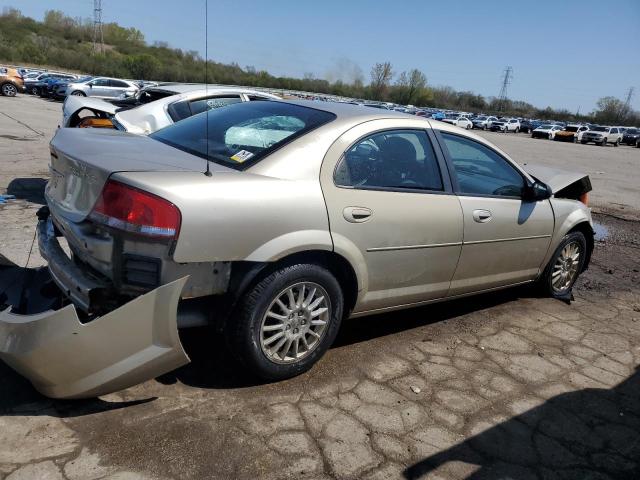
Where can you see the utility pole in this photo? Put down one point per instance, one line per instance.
(98, 38)
(507, 76)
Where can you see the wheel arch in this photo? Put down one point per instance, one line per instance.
(244, 275)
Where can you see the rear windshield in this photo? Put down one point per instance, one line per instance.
(571, 129)
(240, 134)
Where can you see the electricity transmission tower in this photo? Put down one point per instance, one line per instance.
(507, 76)
(98, 38)
(627, 104)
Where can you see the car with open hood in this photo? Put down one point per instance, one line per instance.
(273, 221)
(546, 130)
(571, 133)
(155, 107)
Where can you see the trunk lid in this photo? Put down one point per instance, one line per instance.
(83, 159)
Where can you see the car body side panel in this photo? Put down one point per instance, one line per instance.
(290, 216)
(64, 358)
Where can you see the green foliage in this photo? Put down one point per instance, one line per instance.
(67, 43)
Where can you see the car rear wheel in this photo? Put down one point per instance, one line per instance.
(517, 130)
(617, 143)
(565, 265)
(9, 90)
(78, 93)
(287, 321)
(35, 91)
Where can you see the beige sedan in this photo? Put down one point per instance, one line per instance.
(275, 224)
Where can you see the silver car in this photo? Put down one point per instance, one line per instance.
(275, 221)
(102, 87)
(155, 107)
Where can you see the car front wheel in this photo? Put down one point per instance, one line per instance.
(287, 321)
(565, 265)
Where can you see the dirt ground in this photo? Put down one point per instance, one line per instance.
(506, 385)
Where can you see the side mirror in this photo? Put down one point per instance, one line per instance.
(537, 191)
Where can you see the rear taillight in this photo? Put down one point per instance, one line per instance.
(127, 208)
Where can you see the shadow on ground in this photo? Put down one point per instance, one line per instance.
(587, 434)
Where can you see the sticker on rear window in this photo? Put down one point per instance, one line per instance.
(242, 156)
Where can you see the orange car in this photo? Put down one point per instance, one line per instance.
(11, 82)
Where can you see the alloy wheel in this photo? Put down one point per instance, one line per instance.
(295, 322)
(565, 270)
(9, 90)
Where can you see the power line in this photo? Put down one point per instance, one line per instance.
(507, 76)
(98, 37)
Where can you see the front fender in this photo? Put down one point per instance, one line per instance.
(568, 214)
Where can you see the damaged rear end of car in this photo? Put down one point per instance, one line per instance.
(104, 314)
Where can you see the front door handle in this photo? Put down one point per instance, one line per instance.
(357, 214)
(482, 216)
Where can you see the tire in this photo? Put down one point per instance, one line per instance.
(603, 143)
(551, 136)
(558, 287)
(484, 127)
(617, 143)
(78, 93)
(517, 130)
(575, 139)
(35, 91)
(247, 338)
(468, 127)
(9, 90)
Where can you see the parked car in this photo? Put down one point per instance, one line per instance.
(217, 216)
(602, 136)
(630, 136)
(571, 133)
(33, 85)
(484, 122)
(505, 125)
(546, 131)
(103, 87)
(458, 120)
(11, 82)
(153, 108)
(526, 126)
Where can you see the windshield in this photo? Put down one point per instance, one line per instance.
(632, 131)
(571, 129)
(545, 127)
(599, 129)
(481, 118)
(240, 134)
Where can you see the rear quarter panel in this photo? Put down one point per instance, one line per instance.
(239, 216)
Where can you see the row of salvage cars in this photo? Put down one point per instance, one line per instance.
(272, 221)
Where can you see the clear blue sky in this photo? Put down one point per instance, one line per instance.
(564, 53)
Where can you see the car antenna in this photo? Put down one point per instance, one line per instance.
(206, 80)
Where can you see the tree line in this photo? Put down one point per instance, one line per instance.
(64, 42)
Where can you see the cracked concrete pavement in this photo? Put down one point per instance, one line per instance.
(504, 385)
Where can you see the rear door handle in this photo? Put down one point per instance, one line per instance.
(482, 216)
(357, 214)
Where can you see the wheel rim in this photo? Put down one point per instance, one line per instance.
(295, 322)
(9, 90)
(565, 270)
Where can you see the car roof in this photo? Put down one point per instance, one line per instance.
(347, 111)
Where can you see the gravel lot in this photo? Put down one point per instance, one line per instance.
(504, 385)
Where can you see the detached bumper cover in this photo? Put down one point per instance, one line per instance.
(65, 358)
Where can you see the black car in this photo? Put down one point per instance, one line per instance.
(526, 126)
(631, 136)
